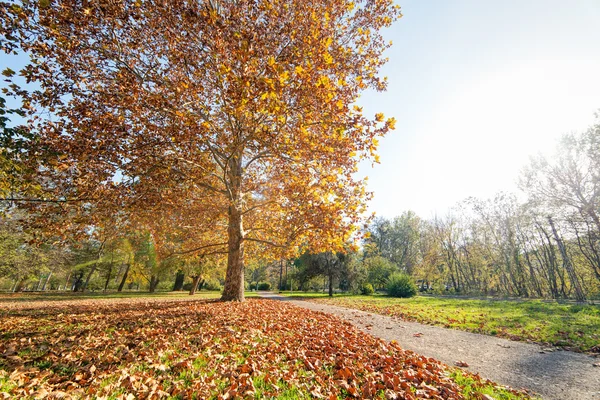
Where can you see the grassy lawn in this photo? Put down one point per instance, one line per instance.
(205, 349)
(570, 326)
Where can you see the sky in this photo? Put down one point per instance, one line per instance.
(477, 87)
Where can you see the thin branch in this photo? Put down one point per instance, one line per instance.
(178, 253)
(264, 242)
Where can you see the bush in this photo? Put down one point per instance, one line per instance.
(264, 286)
(401, 285)
(212, 284)
(367, 289)
(289, 286)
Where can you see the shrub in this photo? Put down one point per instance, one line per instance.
(253, 285)
(401, 285)
(367, 289)
(212, 284)
(264, 286)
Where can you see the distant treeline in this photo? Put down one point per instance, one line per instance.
(546, 245)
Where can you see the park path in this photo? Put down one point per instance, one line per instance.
(560, 375)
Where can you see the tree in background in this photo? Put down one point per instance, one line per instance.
(396, 239)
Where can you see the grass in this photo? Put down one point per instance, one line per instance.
(473, 389)
(569, 326)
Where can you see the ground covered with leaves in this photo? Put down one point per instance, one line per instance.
(208, 349)
(569, 326)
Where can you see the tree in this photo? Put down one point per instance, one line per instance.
(397, 239)
(378, 270)
(250, 103)
(325, 264)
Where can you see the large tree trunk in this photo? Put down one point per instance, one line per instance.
(124, 279)
(78, 282)
(280, 275)
(153, 283)
(234, 278)
(195, 281)
(179, 279)
(87, 280)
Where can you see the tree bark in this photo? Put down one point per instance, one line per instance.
(195, 280)
(77, 283)
(153, 283)
(579, 295)
(179, 279)
(280, 275)
(234, 277)
(124, 279)
(67, 281)
(46, 281)
(110, 266)
(87, 279)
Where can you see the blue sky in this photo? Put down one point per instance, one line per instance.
(477, 87)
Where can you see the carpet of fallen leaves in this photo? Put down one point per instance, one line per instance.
(204, 349)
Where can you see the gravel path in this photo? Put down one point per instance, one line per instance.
(560, 375)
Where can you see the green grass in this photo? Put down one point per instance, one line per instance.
(312, 295)
(473, 390)
(570, 326)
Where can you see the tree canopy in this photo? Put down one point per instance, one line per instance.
(243, 111)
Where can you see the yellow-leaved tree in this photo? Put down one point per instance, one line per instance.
(244, 108)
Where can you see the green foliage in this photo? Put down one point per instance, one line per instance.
(401, 285)
(367, 289)
(264, 286)
(212, 284)
(379, 270)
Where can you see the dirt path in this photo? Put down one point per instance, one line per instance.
(560, 375)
